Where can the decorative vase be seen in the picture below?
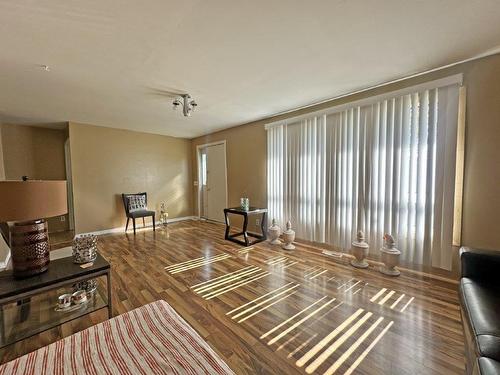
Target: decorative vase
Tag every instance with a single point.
(288, 237)
(84, 248)
(274, 233)
(245, 204)
(360, 251)
(390, 257)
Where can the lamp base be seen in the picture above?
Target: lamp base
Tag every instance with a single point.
(29, 248)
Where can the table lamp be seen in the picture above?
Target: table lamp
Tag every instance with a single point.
(27, 204)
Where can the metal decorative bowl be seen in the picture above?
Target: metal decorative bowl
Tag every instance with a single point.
(85, 248)
(89, 286)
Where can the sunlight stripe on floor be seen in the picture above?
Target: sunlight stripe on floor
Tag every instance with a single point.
(352, 348)
(295, 325)
(397, 301)
(221, 277)
(380, 292)
(326, 340)
(367, 350)
(257, 299)
(387, 296)
(246, 311)
(291, 318)
(230, 279)
(407, 304)
(333, 347)
(266, 307)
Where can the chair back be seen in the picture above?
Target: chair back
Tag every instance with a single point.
(125, 198)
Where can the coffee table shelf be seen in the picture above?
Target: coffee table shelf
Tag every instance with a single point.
(28, 306)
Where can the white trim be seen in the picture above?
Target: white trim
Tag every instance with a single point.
(122, 229)
(456, 79)
(198, 162)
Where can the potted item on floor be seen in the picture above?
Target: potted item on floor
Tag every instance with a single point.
(390, 256)
(360, 251)
(288, 237)
(274, 233)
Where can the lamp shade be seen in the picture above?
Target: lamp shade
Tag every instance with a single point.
(31, 200)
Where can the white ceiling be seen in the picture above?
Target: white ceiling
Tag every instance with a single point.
(241, 60)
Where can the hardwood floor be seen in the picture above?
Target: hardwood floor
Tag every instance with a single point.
(268, 311)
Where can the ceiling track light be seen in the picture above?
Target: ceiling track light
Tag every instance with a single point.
(188, 104)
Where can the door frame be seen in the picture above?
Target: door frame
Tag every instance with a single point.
(198, 165)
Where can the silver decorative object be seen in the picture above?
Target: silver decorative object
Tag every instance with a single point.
(89, 286)
(245, 204)
(390, 257)
(360, 251)
(84, 248)
(288, 237)
(274, 233)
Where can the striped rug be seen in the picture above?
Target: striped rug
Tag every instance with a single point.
(152, 339)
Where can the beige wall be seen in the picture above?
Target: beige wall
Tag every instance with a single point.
(246, 150)
(108, 162)
(2, 169)
(35, 152)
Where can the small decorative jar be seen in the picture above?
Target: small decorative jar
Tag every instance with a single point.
(274, 233)
(84, 248)
(244, 204)
(360, 251)
(390, 257)
(288, 237)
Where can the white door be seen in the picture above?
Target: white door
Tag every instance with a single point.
(215, 193)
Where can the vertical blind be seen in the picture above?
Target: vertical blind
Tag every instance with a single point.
(383, 167)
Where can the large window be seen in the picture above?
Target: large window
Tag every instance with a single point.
(382, 165)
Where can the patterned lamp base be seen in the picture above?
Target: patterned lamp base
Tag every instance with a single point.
(29, 248)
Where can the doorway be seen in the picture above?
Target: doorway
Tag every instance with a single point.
(212, 181)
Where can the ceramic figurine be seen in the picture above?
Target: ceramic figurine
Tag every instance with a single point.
(288, 237)
(360, 251)
(390, 257)
(274, 233)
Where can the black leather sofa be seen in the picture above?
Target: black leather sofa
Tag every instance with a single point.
(480, 307)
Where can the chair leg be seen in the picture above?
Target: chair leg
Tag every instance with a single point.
(133, 222)
(126, 226)
(143, 222)
(154, 225)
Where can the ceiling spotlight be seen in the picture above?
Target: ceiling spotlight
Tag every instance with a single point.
(188, 105)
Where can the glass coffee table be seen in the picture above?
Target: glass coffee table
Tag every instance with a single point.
(29, 306)
(245, 233)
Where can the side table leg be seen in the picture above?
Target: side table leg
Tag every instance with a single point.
(110, 305)
(2, 334)
(226, 220)
(263, 225)
(245, 225)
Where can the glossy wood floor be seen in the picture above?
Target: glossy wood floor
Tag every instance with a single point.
(268, 311)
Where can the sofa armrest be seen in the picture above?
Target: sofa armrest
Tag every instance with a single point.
(480, 264)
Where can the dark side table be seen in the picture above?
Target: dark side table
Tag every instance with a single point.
(28, 306)
(245, 233)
